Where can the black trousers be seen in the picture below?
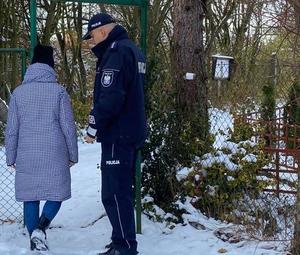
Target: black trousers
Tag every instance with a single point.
(117, 167)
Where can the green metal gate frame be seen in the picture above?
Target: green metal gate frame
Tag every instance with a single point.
(143, 5)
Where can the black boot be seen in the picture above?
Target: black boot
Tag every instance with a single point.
(111, 251)
(115, 251)
(38, 238)
(43, 223)
(108, 246)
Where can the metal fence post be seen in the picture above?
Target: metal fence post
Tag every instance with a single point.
(138, 184)
(33, 32)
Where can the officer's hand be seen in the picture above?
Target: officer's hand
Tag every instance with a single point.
(89, 139)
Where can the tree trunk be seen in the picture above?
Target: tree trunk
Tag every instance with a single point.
(50, 23)
(188, 57)
(15, 77)
(3, 111)
(82, 81)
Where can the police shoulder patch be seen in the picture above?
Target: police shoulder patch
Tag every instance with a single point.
(107, 78)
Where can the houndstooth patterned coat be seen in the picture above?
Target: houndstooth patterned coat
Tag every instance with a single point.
(40, 137)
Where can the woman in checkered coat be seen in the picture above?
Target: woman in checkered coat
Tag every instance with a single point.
(41, 144)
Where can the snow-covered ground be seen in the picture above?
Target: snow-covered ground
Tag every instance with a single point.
(81, 227)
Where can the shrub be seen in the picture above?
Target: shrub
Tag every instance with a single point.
(81, 111)
(220, 178)
(292, 116)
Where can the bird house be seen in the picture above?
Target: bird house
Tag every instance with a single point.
(221, 67)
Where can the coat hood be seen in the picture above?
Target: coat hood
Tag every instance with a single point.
(39, 72)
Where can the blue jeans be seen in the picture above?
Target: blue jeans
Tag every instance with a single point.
(32, 211)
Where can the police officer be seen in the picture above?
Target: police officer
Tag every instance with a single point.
(118, 121)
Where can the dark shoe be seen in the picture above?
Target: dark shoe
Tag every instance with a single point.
(108, 246)
(38, 241)
(111, 251)
(114, 251)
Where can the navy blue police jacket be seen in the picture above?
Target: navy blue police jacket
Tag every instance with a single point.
(118, 113)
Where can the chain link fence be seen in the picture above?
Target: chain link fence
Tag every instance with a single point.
(10, 210)
(10, 76)
(250, 177)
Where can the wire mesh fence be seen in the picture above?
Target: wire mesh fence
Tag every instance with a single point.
(10, 76)
(250, 177)
(10, 210)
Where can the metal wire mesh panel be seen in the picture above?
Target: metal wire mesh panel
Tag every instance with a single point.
(10, 77)
(250, 176)
(10, 210)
